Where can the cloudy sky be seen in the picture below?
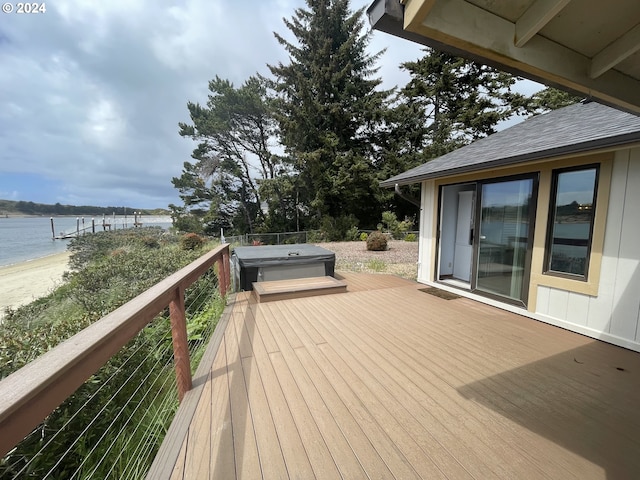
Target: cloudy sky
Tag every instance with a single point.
(91, 92)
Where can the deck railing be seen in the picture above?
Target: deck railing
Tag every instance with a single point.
(30, 394)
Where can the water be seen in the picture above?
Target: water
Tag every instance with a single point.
(23, 239)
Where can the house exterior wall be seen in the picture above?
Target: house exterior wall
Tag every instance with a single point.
(614, 313)
(607, 306)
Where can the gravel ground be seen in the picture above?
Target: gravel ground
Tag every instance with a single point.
(401, 258)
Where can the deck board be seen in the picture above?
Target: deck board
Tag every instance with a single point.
(386, 381)
(297, 288)
(221, 455)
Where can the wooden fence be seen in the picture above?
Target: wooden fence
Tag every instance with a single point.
(33, 392)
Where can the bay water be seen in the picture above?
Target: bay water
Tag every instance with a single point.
(28, 238)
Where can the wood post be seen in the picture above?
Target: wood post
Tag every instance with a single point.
(53, 231)
(227, 269)
(224, 273)
(180, 344)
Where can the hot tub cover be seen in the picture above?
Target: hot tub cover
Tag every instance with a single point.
(268, 255)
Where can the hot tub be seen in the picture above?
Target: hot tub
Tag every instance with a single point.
(280, 262)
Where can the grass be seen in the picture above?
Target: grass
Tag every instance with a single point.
(377, 265)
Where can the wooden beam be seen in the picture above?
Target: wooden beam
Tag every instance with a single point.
(616, 52)
(535, 18)
(416, 10)
(460, 26)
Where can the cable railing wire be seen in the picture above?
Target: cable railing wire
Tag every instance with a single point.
(71, 418)
(104, 407)
(153, 400)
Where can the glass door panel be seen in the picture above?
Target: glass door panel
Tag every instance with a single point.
(503, 238)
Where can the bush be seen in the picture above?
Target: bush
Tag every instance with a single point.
(191, 241)
(364, 236)
(87, 248)
(352, 234)
(377, 242)
(410, 237)
(337, 229)
(392, 225)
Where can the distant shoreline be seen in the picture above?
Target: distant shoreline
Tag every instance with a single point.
(24, 215)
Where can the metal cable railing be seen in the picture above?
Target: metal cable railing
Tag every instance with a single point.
(122, 430)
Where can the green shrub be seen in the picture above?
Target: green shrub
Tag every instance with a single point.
(377, 242)
(352, 234)
(410, 237)
(87, 248)
(150, 242)
(364, 236)
(191, 241)
(337, 229)
(392, 225)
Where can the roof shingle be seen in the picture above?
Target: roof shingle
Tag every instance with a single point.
(573, 129)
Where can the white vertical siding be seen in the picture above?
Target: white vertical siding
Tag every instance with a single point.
(614, 315)
(578, 308)
(626, 293)
(428, 210)
(542, 306)
(558, 303)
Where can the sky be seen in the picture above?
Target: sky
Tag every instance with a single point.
(92, 91)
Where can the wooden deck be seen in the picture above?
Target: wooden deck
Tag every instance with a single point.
(387, 381)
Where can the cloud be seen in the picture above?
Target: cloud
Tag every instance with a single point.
(91, 93)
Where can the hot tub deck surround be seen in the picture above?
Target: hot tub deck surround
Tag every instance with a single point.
(297, 288)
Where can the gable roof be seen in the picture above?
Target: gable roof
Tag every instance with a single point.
(574, 129)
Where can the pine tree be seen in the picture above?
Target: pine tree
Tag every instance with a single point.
(460, 100)
(329, 110)
(548, 99)
(233, 130)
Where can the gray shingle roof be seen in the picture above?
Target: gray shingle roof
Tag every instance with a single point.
(573, 129)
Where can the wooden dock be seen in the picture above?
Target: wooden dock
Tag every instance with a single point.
(387, 381)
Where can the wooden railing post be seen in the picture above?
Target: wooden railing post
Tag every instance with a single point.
(224, 272)
(227, 268)
(180, 345)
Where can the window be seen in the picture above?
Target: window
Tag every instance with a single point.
(572, 209)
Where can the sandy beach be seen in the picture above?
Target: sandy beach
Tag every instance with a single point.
(23, 282)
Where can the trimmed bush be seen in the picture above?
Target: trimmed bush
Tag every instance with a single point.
(377, 242)
(191, 241)
(364, 236)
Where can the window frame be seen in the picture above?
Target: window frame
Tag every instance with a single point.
(555, 174)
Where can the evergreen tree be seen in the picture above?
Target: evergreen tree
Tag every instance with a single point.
(548, 99)
(233, 130)
(329, 111)
(447, 103)
(459, 100)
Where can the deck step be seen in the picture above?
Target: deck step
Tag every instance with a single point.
(297, 288)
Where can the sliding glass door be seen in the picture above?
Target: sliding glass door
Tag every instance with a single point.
(505, 219)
